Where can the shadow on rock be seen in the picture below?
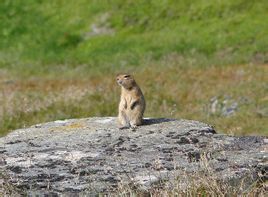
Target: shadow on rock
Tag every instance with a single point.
(152, 121)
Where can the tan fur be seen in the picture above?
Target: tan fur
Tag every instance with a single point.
(132, 102)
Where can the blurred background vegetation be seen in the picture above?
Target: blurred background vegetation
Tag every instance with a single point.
(203, 59)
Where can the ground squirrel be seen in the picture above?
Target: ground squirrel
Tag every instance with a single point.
(132, 102)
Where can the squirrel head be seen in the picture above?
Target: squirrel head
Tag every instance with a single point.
(125, 80)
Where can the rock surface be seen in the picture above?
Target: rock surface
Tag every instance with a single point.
(91, 155)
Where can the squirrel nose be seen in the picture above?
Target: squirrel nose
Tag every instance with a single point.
(119, 81)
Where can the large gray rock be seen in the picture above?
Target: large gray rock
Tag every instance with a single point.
(91, 155)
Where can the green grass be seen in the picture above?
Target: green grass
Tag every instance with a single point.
(56, 32)
(53, 65)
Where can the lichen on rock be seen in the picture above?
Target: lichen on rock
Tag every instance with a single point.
(93, 156)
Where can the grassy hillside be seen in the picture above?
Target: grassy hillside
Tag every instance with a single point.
(58, 59)
(57, 32)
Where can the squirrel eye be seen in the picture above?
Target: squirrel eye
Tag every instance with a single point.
(126, 76)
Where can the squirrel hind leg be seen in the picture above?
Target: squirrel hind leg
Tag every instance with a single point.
(122, 120)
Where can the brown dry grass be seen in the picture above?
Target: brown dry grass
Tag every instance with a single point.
(186, 93)
(171, 90)
(34, 95)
